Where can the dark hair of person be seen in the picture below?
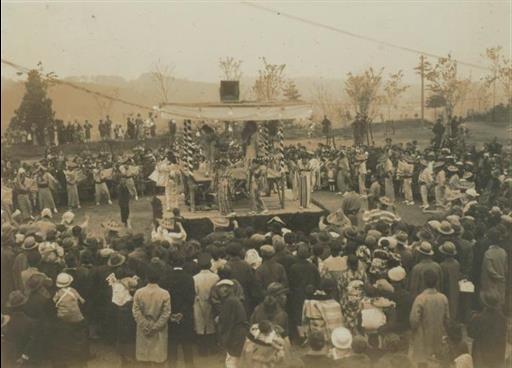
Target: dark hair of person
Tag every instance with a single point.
(225, 272)
(430, 278)
(152, 275)
(316, 341)
(352, 262)
(33, 259)
(265, 327)
(71, 260)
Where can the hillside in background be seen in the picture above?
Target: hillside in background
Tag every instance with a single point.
(71, 104)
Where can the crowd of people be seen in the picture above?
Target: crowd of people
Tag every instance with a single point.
(60, 132)
(366, 287)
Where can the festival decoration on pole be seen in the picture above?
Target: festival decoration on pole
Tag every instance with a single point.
(187, 144)
(280, 147)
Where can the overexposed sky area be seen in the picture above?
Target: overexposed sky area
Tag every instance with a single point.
(127, 38)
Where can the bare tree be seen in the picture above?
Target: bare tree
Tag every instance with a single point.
(393, 89)
(482, 96)
(363, 90)
(230, 68)
(500, 72)
(271, 81)
(443, 81)
(325, 101)
(163, 76)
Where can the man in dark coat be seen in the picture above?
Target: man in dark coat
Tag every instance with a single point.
(303, 274)
(244, 274)
(270, 271)
(180, 285)
(124, 197)
(7, 259)
(451, 276)
(417, 279)
(438, 130)
(233, 327)
(19, 332)
(40, 308)
(489, 332)
(284, 256)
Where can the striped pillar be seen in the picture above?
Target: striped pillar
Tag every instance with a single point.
(280, 147)
(188, 145)
(263, 142)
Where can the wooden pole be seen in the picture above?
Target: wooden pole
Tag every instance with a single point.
(422, 70)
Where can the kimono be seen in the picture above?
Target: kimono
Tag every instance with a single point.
(361, 177)
(72, 188)
(293, 177)
(223, 185)
(407, 171)
(100, 186)
(323, 314)
(440, 188)
(22, 188)
(172, 186)
(263, 350)
(45, 196)
(343, 175)
(425, 180)
(389, 188)
(350, 285)
(304, 185)
(151, 310)
(128, 173)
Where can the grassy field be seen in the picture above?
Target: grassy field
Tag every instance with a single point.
(479, 133)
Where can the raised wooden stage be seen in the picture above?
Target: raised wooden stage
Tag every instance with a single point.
(197, 223)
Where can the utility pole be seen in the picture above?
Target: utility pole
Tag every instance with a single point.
(494, 96)
(422, 73)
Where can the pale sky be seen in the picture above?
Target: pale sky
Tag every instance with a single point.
(126, 38)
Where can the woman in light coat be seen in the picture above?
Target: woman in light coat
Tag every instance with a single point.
(151, 311)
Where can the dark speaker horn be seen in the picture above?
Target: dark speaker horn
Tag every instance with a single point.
(229, 91)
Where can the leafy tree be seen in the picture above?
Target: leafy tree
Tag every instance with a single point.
(393, 89)
(35, 113)
(435, 102)
(230, 68)
(500, 71)
(270, 82)
(363, 90)
(443, 81)
(291, 92)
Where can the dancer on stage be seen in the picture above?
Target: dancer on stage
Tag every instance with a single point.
(128, 171)
(44, 181)
(100, 185)
(172, 183)
(223, 188)
(256, 185)
(71, 173)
